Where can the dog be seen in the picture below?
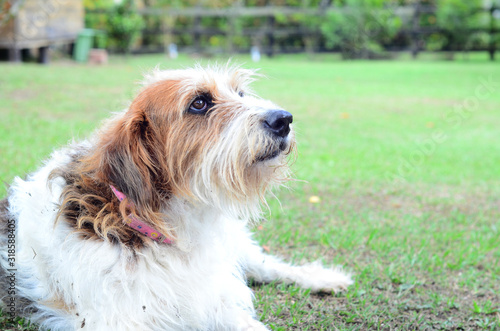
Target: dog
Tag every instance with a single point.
(145, 225)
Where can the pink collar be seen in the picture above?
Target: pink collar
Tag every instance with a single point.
(139, 225)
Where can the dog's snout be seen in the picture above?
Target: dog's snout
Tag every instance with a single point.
(278, 122)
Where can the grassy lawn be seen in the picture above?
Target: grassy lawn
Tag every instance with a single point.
(401, 159)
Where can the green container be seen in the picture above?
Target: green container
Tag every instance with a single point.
(84, 43)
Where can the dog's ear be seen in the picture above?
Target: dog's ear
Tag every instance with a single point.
(128, 152)
(127, 162)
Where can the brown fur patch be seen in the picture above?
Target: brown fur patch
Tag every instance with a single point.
(92, 209)
(57, 303)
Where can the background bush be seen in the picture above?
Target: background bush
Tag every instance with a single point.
(360, 28)
(356, 28)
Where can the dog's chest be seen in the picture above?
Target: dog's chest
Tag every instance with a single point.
(192, 286)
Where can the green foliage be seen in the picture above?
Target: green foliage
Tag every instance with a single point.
(357, 28)
(95, 13)
(188, 3)
(360, 28)
(124, 25)
(120, 22)
(478, 40)
(435, 42)
(97, 4)
(457, 18)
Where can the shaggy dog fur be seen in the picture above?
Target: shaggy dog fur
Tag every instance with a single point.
(194, 154)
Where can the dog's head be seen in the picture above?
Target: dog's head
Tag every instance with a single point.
(198, 133)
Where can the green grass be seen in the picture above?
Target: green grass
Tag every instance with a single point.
(409, 191)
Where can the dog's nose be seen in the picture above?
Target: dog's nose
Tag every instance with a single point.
(278, 122)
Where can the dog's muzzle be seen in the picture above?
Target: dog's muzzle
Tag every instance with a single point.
(276, 123)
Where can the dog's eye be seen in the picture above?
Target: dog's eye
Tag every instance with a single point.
(241, 94)
(199, 106)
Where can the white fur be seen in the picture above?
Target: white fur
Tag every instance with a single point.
(197, 283)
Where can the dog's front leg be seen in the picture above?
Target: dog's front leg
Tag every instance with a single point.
(246, 322)
(266, 268)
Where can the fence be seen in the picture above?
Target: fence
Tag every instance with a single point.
(202, 29)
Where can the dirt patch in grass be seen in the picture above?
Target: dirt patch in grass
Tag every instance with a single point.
(423, 258)
(23, 94)
(395, 307)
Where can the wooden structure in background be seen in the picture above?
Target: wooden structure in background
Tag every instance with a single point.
(267, 33)
(38, 24)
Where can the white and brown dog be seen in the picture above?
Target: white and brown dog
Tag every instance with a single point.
(145, 225)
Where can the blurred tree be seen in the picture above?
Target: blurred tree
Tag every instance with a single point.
(96, 13)
(124, 25)
(97, 4)
(458, 19)
(360, 27)
(357, 28)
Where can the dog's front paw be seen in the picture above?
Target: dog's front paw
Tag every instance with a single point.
(321, 279)
(248, 323)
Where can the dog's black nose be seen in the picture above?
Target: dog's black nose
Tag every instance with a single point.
(278, 122)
